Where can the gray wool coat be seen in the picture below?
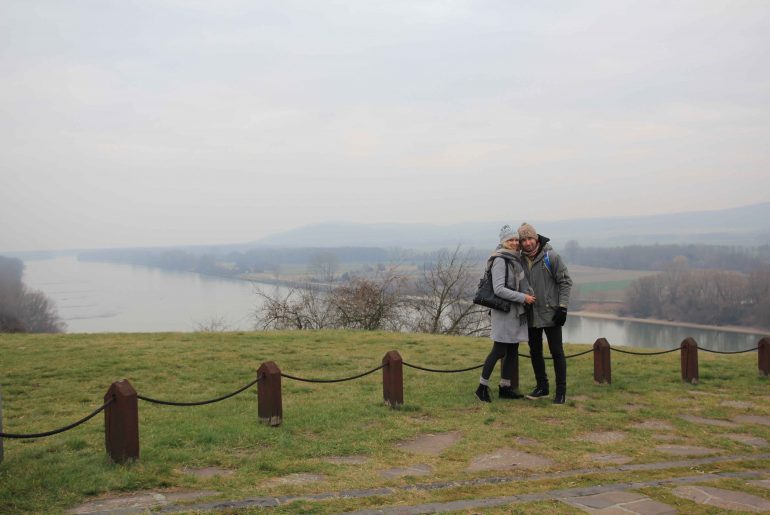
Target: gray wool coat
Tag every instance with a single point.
(509, 327)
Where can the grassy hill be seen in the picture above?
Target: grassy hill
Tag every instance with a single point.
(49, 381)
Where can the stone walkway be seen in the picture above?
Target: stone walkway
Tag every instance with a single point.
(529, 467)
(606, 499)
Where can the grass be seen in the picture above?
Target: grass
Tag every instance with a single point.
(51, 380)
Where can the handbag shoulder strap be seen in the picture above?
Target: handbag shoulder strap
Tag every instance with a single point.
(491, 261)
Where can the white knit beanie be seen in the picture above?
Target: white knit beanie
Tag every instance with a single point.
(506, 233)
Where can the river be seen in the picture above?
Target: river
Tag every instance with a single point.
(105, 297)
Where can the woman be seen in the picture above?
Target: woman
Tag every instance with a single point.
(508, 329)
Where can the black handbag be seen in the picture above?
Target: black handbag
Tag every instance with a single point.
(485, 294)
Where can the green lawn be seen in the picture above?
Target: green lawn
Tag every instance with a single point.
(49, 381)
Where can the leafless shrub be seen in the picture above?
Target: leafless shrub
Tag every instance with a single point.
(370, 304)
(357, 304)
(443, 297)
(307, 307)
(215, 324)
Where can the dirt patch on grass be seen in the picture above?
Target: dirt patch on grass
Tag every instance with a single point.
(207, 472)
(506, 459)
(603, 437)
(430, 444)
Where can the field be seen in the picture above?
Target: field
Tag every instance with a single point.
(340, 436)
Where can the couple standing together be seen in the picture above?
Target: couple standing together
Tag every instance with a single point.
(526, 271)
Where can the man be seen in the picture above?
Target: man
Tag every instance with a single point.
(549, 278)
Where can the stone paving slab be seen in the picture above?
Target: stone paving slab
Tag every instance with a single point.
(763, 483)
(619, 502)
(430, 444)
(412, 470)
(294, 479)
(737, 404)
(752, 419)
(726, 499)
(708, 421)
(505, 459)
(686, 450)
(523, 440)
(138, 502)
(347, 460)
(603, 437)
(613, 459)
(754, 441)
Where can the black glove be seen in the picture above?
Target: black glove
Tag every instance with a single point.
(560, 317)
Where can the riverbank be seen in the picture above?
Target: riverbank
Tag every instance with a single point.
(672, 323)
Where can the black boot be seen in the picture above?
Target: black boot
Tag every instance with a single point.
(507, 392)
(560, 397)
(482, 393)
(539, 391)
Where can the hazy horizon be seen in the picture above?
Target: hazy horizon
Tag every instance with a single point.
(167, 122)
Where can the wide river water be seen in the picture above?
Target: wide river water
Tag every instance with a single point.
(105, 297)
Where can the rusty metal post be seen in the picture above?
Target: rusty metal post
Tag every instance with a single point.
(393, 379)
(121, 422)
(602, 368)
(689, 355)
(763, 351)
(269, 402)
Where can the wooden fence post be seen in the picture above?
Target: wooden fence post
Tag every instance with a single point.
(763, 356)
(269, 403)
(121, 422)
(602, 367)
(689, 356)
(1, 424)
(393, 379)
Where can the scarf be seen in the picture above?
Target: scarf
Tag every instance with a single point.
(532, 255)
(502, 252)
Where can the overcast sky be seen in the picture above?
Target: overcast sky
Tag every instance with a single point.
(160, 122)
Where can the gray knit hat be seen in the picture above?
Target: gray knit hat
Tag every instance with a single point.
(527, 231)
(506, 233)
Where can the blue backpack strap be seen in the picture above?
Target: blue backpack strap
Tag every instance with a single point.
(547, 261)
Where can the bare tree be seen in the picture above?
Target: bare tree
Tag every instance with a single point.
(38, 314)
(23, 310)
(324, 266)
(443, 297)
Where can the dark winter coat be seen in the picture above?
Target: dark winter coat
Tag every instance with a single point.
(552, 287)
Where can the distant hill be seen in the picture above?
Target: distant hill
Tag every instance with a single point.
(742, 226)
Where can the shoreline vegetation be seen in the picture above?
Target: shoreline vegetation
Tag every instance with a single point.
(601, 315)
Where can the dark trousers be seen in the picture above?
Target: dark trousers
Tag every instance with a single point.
(509, 353)
(556, 347)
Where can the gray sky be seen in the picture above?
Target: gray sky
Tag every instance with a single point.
(165, 122)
